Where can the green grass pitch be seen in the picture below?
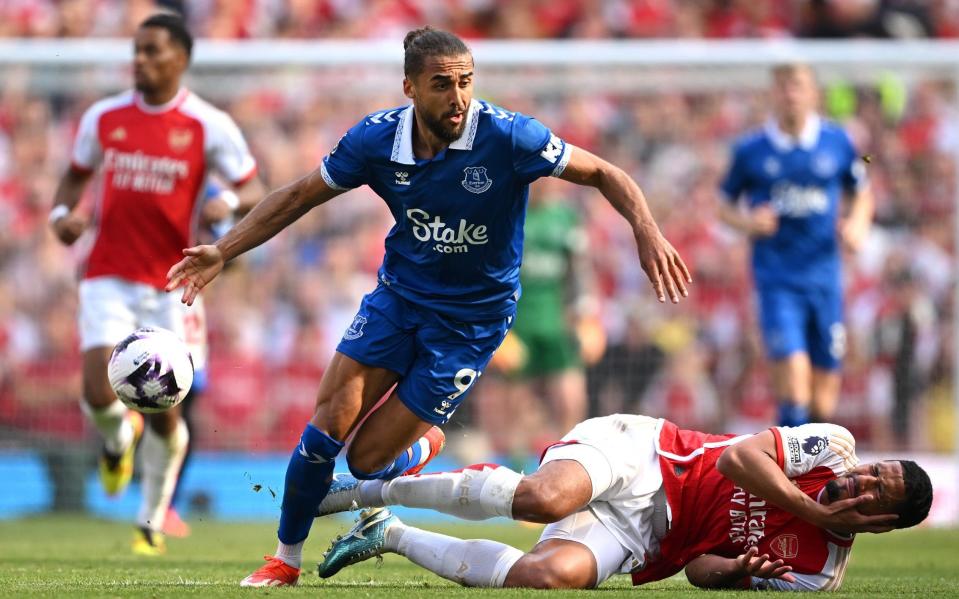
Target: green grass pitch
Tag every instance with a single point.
(80, 557)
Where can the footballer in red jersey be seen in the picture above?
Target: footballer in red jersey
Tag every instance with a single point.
(153, 148)
(627, 494)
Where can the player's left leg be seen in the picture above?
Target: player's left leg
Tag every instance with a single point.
(566, 396)
(827, 347)
(167, 438)
(162, 449)
(577, 552)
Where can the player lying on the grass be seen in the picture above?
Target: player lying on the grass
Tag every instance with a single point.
(632, 494)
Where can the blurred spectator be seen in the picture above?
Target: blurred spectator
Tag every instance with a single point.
(276, 315)
(477, 19)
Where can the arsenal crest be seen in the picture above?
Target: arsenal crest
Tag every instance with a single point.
(475, 179)
(180, 139)
(785, 546)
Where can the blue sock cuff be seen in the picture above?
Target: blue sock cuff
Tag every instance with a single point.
(318, 443)
(379, 474)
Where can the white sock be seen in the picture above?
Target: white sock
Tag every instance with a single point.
(473, 493)
(162, 458)
(472, 563)
(112, 423)
(291, 555)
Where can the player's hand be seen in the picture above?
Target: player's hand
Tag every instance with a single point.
(764, 222)
(662, 264)
(753, 564)
(69, 228)
(853, 233)
(200, 266)
(843, 516)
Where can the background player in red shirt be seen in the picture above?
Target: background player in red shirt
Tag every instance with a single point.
(632, 494)
(154, 147)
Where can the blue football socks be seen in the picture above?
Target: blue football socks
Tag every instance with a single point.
(406, 460)
(792, 414)
(307, 483)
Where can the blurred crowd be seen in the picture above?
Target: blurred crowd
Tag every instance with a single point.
(277, 314)
(477, 19)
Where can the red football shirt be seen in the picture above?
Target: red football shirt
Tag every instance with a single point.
(154, 161)
(710, 514)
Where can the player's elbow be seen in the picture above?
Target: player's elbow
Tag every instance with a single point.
(730, 462)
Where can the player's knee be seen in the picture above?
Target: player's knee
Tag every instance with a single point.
(542, 572)
(537, 501)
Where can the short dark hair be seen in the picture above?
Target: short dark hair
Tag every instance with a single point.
(918, 488)
(175, 26)
(422, 43)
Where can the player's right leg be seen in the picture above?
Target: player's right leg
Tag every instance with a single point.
(119, 427)
(105, 316)
(784, 318)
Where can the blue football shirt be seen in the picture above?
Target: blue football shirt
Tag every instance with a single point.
(458, 239)
(803, 180)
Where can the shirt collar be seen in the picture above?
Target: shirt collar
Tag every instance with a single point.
(178, 99)
(807, 139)
(403, 138)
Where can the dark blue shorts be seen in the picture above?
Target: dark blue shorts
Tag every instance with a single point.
(438, 359)
(808, 321)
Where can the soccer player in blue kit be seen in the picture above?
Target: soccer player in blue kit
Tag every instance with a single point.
(455, 172)
(793, 173)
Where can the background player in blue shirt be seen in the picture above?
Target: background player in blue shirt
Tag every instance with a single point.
(792, 174)
(455, 172)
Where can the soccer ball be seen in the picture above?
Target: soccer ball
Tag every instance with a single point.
(151, 370)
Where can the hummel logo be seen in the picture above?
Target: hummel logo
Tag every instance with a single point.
(312, 458)
(402, 178)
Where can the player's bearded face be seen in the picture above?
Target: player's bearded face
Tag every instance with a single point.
(442, 94)
(882, 481)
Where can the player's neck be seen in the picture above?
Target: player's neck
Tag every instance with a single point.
(426, 145)
(793, 127)
(161, 96)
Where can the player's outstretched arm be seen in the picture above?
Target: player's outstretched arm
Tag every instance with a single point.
(752, 464)
(715, 572)
(278, 210)
(660, 260)
(66, 225)
(855, 227)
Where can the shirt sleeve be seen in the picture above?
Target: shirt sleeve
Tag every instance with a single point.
(537, 152)
(345, 166)
(800, 449)
(829, 578)
(804, 582)
(734, 183)
(854, 168)
(87, 151)
(229, 152)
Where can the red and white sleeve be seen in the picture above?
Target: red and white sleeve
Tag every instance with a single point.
(800, 449)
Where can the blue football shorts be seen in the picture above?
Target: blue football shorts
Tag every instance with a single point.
(807, 320)
(438, 358)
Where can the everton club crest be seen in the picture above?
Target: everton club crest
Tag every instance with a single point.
(475, 179)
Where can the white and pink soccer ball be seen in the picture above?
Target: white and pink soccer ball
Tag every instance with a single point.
(151, 370)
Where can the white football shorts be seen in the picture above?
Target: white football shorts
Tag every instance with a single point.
(110, 308)
(618, 453)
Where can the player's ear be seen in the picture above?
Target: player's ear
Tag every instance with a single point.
(407, 88)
